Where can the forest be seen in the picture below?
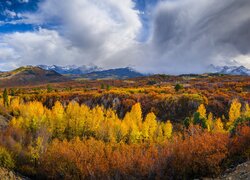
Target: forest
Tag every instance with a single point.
(157, 127)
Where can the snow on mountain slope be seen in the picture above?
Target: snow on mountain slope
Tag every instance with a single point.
(72, 69)
(232, 70)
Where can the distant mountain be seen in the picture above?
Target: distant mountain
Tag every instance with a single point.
(93, 72)
(72, 69)
(231, 70)
(119, 73)
(29, 75)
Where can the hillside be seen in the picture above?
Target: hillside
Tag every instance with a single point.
(119, 73)
(29, 75)
(133, 127)
(71, 69)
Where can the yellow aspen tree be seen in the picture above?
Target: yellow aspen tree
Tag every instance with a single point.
(36, 150)
(106, 129)
(124, 131)
(247, 111)
(159, 137)
(133, 132)
(168, 129)
(58, 120)
(118, 130)
(202, 111)
(97, 117)
(16, 122)
(112, 122)
(149, 127)
(72, 116)
(135, 136)
(15, 104)
(86, 118)
(33, 114)
(218, 126)
(136, 115)
(234, 112)
(210, 122)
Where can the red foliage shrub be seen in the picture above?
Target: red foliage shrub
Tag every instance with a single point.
(239, 147)
(198, 155)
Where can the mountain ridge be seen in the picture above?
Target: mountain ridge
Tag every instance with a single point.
(93, 72)
(117, 73)
(29, 75)
(230, 70)
(72, 69)
(91, 69)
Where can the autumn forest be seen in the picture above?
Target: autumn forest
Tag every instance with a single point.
(156, 127)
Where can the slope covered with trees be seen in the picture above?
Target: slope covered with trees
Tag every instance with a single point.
(147, 132)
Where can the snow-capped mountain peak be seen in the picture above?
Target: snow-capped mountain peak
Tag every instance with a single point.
(233, 70)
(72, 69)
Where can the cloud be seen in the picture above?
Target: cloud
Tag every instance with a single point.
(42, 46)
(185, 36)
(81, 31)
(188, 35)
(23, 1)
(10, 14)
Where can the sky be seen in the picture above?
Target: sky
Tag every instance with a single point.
(153, 36)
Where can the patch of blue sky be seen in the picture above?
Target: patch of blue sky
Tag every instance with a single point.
(145, 7)
(11, 28)
(10, 11)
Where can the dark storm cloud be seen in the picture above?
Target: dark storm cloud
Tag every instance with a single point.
(188, 35)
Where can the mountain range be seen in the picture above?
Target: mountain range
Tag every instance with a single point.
(118, 73)
(230, 70)
(42, 74)
(95, 72)
(72, 69)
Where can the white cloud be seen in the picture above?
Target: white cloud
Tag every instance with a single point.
(23, 1)
(40, 47)
(87, 30)
(9, 13)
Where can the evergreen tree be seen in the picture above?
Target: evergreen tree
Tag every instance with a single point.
(178, 87)
(108, 87)
(187, 121)
(5, 98)
(49, 88)
(102, 86)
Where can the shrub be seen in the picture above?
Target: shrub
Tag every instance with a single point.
(6, 160)
(178, 87)
(200, 154)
